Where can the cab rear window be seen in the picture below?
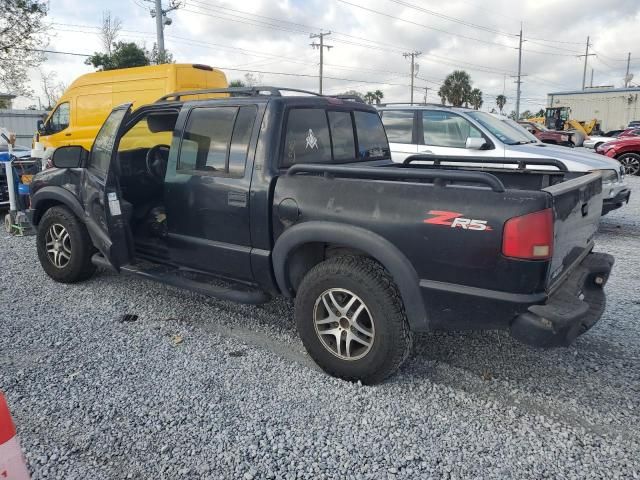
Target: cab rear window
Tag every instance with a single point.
(316, 135)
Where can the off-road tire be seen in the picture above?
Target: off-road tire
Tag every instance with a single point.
(372, 283)
(79, 266)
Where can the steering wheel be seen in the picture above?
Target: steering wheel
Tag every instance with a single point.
(156, 162)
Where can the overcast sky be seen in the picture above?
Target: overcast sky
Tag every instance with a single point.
(478, 36)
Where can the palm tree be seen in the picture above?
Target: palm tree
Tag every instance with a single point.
(501, 101)
(475, 98)
(456, 88)
(376, 96)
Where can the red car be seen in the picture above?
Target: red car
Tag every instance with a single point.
(542, 133)
(630, 132)
(626, 150)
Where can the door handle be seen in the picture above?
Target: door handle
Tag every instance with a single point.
(67, 134)
(426, 151)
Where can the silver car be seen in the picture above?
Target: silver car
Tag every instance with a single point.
(459, 132)
(594, 141)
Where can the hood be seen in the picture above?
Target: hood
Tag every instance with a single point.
(575, 159)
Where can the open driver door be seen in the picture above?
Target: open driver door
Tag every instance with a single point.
(105, 219)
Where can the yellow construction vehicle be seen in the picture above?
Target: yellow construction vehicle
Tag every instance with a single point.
(559, 118)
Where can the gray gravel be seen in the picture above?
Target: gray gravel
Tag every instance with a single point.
(199, 388)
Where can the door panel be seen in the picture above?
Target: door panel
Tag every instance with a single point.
(207, 191)
(105, 223)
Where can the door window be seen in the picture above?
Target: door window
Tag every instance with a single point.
(216, 140)
(103, 145)
(446, 129)
(59, 118)
(399, 125)
(372, 141)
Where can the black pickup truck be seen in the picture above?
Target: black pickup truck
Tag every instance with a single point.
(260, 194)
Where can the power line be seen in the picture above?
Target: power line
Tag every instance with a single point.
(425, 26)
(453, 19)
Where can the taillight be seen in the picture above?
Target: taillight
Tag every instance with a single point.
(529, 237)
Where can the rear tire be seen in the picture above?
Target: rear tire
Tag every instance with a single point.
(64, 246)
(630, 162)
(368, 346)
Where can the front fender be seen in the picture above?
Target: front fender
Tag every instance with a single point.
(377, 247)
(59, 195)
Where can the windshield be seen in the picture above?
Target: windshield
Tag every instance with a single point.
(511, 134)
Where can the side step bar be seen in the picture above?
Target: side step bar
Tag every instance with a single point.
(176, 278)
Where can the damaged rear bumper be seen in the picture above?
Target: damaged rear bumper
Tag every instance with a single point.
(571, 310)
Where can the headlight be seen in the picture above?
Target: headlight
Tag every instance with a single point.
(608, 176)
(564, 138)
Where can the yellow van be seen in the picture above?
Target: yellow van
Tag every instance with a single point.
(87, 102)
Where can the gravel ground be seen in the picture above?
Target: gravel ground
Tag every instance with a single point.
(199, 388)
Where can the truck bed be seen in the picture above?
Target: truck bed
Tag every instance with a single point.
(398, 204)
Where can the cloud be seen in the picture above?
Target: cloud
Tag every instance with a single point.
(367, 46)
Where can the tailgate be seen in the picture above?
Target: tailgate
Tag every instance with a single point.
(577, 206)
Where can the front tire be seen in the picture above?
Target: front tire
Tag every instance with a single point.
(630, 162)
(351, 319)
(64, 246)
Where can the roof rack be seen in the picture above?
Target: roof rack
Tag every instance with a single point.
(251, 92)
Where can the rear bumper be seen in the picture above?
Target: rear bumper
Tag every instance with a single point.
(618, 201)
(571, 310)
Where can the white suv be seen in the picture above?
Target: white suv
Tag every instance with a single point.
(461, 132)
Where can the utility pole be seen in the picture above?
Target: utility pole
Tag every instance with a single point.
(160, 28)
(586, 58)
(426, 92)
(413, 56)
(519, 81)
(626, 77)
(321, 46)
(591, 83)
(160, 14)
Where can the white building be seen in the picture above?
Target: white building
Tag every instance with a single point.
(614, 108)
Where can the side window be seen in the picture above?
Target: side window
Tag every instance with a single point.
(103, 145)
(206, 139)
(445, 129)
(344, 145)
(60, 118)
(216, 140)
(399, 125)
(307, 137)
(372, 141)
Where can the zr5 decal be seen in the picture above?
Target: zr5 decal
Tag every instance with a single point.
(456, 220)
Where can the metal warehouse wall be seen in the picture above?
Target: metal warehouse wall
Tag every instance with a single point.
(22, 122)
(613, 109)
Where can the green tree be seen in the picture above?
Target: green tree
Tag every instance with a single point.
(354, 93)
(526, 114)
(475, 98)
(512, 115)
(236, 83)
(501, 101)
(22, 34)
(374, 97)
(124, 55)
(456, 88)
(156, 59)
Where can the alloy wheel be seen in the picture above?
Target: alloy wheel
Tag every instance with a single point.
(58, 245)
(343, 324)
(631, 164)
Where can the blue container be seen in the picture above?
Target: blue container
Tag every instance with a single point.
(23, 189)
(4, 156)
